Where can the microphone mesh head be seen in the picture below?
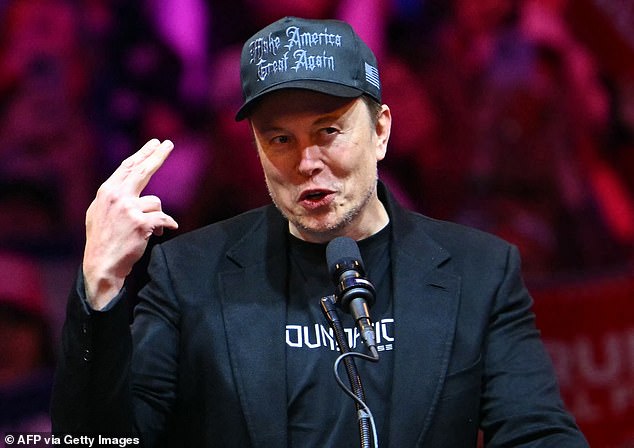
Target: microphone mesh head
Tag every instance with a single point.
(342, 251)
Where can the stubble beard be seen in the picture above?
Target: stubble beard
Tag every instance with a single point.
(332, 229)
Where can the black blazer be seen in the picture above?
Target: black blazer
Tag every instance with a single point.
(203, 364)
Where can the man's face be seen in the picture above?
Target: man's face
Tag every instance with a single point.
(319, 154)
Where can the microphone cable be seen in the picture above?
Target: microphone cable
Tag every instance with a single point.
(367, 426)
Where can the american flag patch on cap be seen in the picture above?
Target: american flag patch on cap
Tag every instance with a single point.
(372, 75)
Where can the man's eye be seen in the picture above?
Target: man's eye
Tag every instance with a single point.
(280, 139)
(329, 131)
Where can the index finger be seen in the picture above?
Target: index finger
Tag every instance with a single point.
(135, 172)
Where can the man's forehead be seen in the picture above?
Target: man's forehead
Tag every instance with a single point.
(289, 103)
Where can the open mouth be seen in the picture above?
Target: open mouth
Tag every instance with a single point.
(313, 195)
(312, 199)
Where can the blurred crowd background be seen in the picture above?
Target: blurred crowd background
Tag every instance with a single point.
(513, 116)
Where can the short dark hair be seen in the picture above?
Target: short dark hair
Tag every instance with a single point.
(374, 108)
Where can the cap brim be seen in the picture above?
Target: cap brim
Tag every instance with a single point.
(327, 87)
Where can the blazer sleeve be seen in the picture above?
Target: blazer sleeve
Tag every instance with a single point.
(91, 386)
(521, 404)
(105, 386)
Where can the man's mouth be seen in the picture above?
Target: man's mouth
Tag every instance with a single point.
(313, 195)
(316, 198)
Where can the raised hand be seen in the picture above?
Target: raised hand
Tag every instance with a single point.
(120, 221)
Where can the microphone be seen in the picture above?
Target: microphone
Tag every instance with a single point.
(354, 293)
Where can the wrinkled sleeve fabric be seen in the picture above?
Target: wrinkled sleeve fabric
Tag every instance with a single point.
(521, 404)
(90, 392)
(104, 386)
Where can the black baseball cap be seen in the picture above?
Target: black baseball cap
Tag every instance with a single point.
(320, 55)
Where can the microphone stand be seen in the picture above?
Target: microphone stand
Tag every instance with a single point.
(330, 312)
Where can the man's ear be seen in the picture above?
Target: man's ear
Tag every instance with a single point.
(383, 127)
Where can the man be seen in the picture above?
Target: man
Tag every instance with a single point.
(205, 363)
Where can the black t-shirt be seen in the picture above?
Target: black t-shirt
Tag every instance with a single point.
(319, 412)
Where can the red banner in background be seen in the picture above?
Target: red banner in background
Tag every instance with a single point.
(588, 328)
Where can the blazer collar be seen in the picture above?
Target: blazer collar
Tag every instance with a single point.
(426, 298)
(254, 312)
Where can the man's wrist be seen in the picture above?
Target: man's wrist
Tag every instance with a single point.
(99, 292)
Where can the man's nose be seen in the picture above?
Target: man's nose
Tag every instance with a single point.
(310, 162)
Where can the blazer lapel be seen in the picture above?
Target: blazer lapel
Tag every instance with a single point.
(254, 311)
(426, 301)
